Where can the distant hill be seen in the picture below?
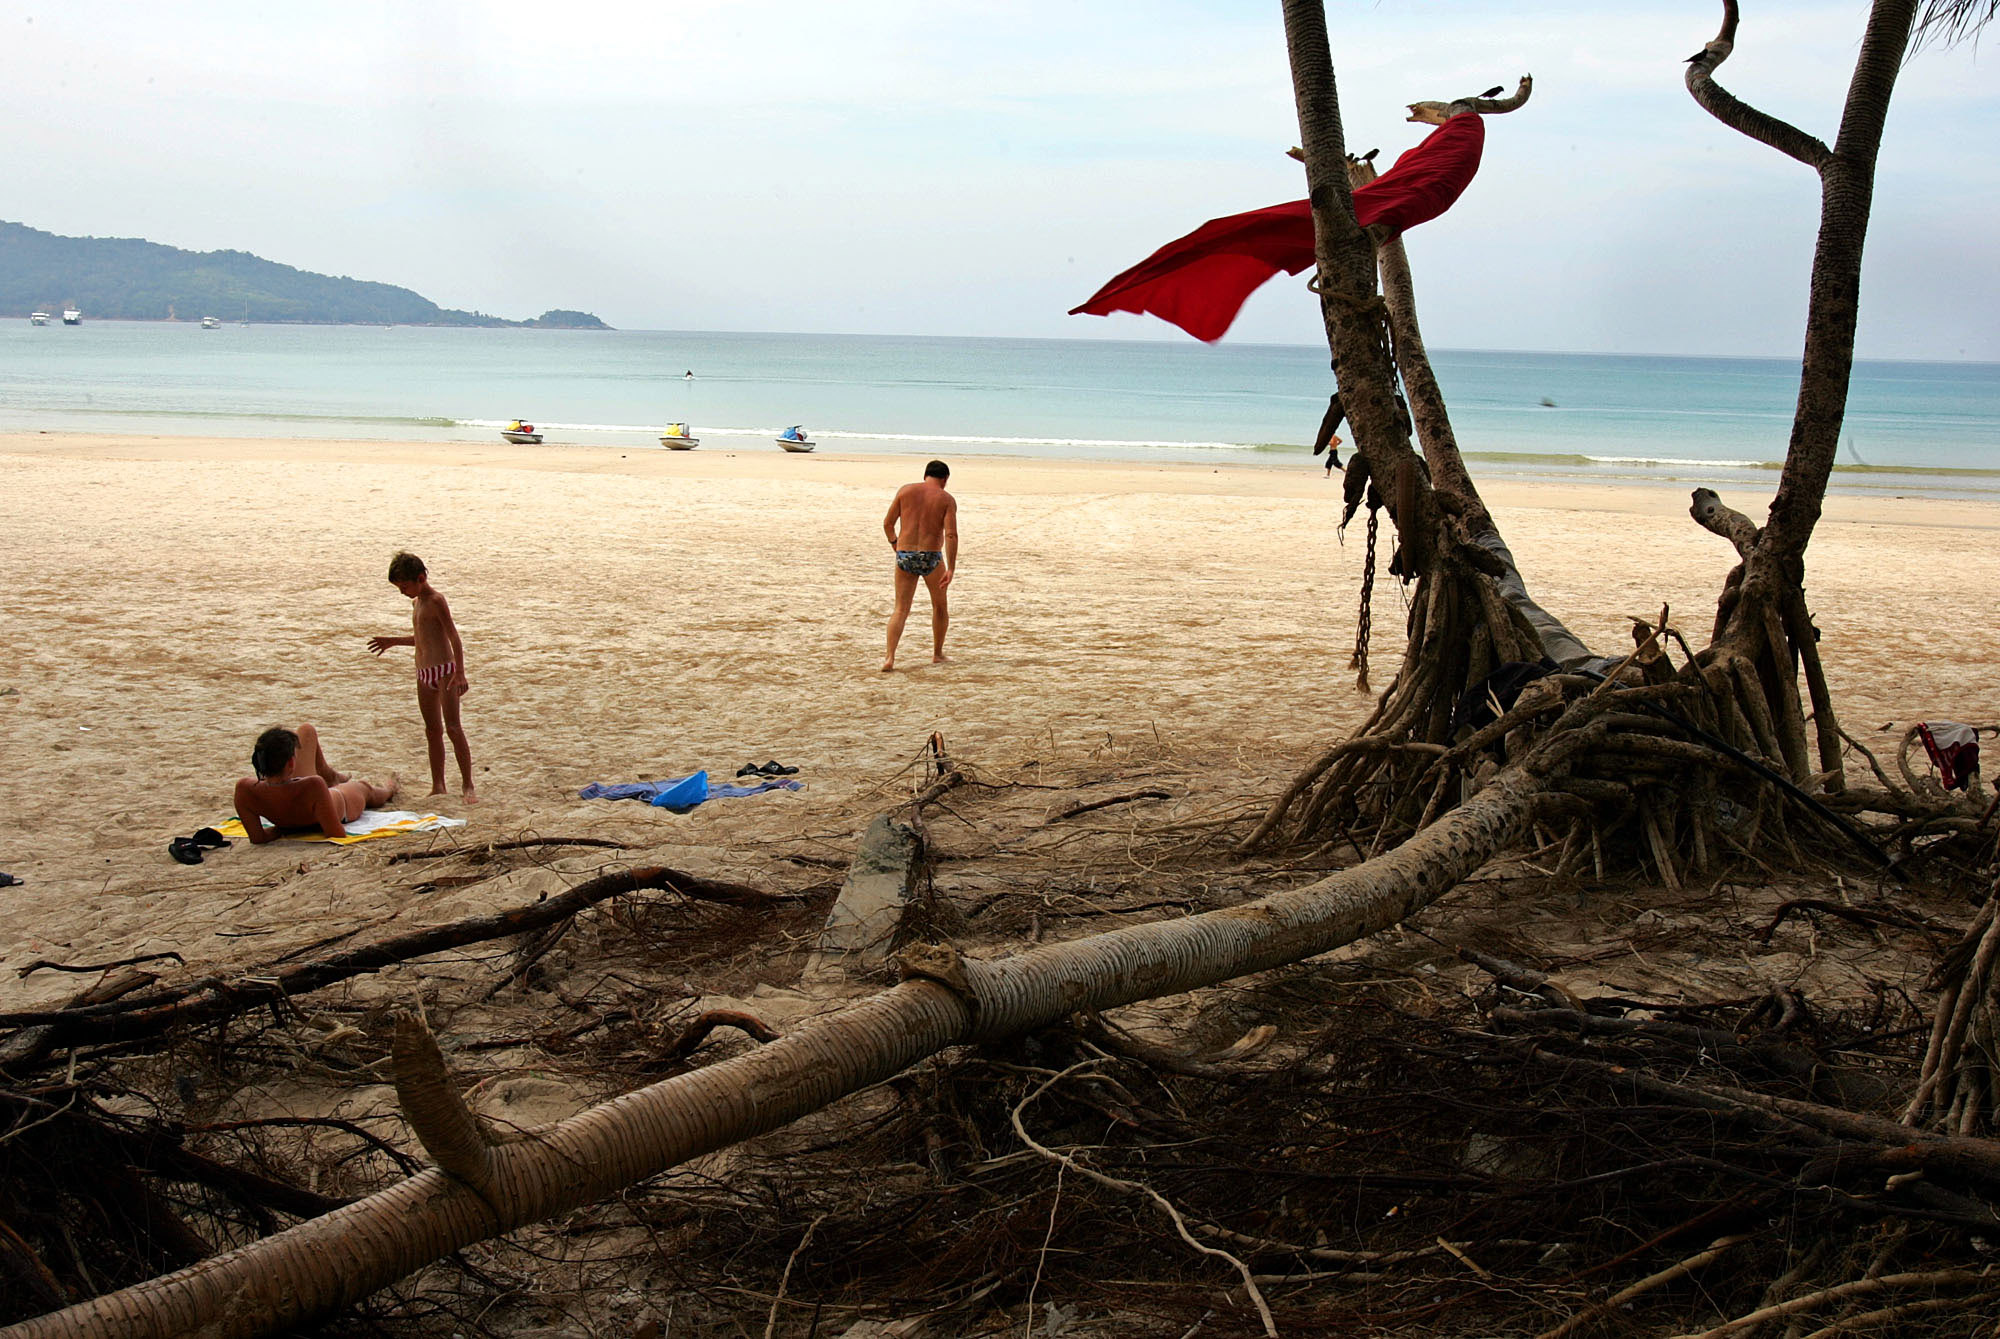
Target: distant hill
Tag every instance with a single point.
(126, 278)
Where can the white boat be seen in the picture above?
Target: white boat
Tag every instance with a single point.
(71, 316)
(210, 323)
(38, 318)
(676, 437)
(521, 434)
(794, 439)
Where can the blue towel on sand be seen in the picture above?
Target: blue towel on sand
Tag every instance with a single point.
(679, 793)
(684, 794)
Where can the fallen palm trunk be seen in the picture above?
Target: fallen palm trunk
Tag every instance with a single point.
(312, 1270)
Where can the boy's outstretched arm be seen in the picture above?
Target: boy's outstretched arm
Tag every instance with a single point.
(380, 644)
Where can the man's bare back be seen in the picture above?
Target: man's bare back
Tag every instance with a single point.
(921, 512)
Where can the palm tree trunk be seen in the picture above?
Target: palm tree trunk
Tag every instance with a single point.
(1356, 320)
(1847, 195)
(1434, 431)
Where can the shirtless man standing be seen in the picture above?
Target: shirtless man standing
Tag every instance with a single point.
(295, 787)
(922, 526)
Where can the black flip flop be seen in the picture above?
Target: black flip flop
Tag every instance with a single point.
(209, 837)
(184, 850)
(749, 769)
(777, 769)
(8, 880)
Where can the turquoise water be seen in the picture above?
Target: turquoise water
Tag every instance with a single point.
(1928, 428)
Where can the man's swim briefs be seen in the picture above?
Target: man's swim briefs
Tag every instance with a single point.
(918, 562)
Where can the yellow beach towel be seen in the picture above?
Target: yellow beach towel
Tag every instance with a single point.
(373, 823)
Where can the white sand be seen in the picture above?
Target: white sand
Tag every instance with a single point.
(647, 613)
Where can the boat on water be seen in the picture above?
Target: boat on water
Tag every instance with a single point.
(38, 318)
(210, 323)
(794, 439)
(71, 316)
(521, 434)
(676, 437)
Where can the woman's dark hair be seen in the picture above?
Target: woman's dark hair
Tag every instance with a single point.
(275, 748)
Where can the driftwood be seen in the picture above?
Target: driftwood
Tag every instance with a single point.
(487, 848)
(23, 1049)
(205, 1001)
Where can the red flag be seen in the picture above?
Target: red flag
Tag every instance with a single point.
(1202, 280)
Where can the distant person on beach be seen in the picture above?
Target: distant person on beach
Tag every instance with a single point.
(441, 680)
(295, 787)
(922, 526)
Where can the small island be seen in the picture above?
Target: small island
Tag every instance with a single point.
(560, 319)
(130, 279)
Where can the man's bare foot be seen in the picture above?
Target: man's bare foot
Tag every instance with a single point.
(469, 795)
(889, 665)
(395, 781)
(940, 659)
(438, 790)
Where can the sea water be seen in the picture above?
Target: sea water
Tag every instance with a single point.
(1913, 428)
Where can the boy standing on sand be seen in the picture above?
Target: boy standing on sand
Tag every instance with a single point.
(922, 526)
(441, 680)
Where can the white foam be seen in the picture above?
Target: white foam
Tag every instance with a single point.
(1676, 462)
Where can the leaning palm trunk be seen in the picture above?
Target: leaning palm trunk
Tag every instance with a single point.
(312, 1270)
(1433, 424)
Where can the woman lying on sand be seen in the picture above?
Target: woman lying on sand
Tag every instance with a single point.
(295, 787)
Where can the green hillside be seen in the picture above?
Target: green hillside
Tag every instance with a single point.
(113, 278)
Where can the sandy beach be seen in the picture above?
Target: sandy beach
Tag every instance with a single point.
(642, 614)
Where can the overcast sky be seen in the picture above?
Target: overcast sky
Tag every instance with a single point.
(949, 168)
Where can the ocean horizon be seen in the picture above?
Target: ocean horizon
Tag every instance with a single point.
(1913, 427)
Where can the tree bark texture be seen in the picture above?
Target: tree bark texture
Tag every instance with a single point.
(1427, 407)
(314, 1269)
(1847, 194)
(1354, 315)
(1763, 616)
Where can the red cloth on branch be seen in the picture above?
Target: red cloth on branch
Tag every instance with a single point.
(1202, 280)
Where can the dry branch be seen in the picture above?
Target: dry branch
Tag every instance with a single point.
(205, 1001)
(487, 848)
(1091, 805)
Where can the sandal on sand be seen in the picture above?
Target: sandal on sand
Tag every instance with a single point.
(749, 769)
(8, 880)
(184, 850)
(209, 837)
(777, 769)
